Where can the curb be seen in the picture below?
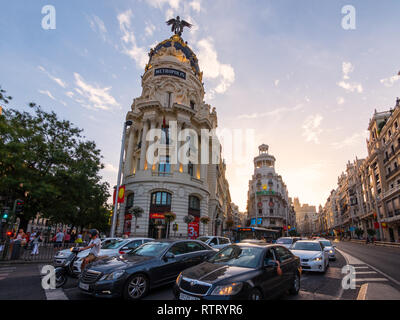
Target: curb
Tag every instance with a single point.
(362, 294)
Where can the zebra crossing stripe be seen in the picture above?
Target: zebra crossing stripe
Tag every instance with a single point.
(370, 279)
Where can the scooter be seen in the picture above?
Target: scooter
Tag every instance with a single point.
(66, 269)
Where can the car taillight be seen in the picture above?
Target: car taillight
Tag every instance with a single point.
(121, 252)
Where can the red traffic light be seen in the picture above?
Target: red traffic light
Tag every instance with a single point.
(9, 233)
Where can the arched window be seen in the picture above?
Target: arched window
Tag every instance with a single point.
(161, 199)
(194, 206)
(129, 202)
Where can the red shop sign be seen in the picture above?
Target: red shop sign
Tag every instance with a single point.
(157, 216)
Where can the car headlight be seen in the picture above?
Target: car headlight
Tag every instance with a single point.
(227, 290)
(113, 275)
(330, 251)
(178, 280)
(318, 258)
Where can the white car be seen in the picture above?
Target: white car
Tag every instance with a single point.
(312, 255)
(329, 247)
(62, 255)
(215, 242)
(287, 242)
(114, 248)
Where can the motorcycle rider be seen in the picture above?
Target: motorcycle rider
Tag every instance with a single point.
(94, 246)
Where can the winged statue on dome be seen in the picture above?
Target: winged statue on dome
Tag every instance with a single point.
(178, 25)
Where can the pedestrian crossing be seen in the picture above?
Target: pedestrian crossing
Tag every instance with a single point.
(5, 272)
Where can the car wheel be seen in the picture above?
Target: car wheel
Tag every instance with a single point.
(255, 294)
(136, 287)
(61, 279)
(295, 286)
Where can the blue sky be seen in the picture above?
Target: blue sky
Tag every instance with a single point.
(286, 69)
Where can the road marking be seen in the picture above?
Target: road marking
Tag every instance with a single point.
(57, 294)
(361, 267)
(377, 270)
(5, 271)
(371, 279)
(365, 272)
(363, 292)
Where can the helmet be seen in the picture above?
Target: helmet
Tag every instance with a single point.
(94, 232)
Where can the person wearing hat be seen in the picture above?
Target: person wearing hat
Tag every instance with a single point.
(94, 246)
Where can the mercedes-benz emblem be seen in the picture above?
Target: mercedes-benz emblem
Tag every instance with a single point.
(192, 283)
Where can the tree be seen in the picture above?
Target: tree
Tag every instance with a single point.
(136, 212)
(204, 220)
(3, 97)
(48, 164)
(359, 232)
(169, 217)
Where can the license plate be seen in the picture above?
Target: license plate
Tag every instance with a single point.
(304, 264)
(183, 296)
(84, 286)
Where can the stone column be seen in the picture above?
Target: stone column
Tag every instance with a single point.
(129, 154)
(178, 145)
(143, 146)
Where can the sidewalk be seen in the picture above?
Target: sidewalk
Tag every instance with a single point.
(378, 291)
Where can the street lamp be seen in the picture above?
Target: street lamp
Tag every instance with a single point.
(121, 159)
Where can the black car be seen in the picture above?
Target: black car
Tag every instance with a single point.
(151, 265)
(241, 271)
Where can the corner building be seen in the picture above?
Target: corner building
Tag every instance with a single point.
(172, 93)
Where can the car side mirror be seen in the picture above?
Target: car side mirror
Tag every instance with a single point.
(212, 244)
(168, 256)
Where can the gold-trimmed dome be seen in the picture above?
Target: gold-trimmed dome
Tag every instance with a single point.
(177, 42)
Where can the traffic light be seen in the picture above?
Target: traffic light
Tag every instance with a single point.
(10, 234)
(5, 215)
(19, 206)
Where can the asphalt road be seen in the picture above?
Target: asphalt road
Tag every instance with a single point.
(385, 260)
(23, 282)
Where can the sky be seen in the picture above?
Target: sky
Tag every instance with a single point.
(285, 69)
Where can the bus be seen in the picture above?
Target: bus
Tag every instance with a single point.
(255, 233)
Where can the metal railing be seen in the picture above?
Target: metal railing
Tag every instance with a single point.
(16, 252)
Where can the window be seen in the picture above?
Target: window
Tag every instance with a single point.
(134, 244)
(129, 200)
(282, 254)
(224, 241)
(164, 166)
(194, 247)
(194, 203)
(161, 198)
(214, 241)
(165, 135)
(179, 248)
(190, 169)
(269, 256)
(192, 104)
(169, 101)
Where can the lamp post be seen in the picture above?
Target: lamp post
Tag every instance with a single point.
(121, 159)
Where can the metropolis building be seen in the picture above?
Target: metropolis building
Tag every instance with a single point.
(172, 98)
(268, 203)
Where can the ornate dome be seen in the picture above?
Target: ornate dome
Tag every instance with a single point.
(187, 54)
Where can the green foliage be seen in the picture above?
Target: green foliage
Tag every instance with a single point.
(371, 232)
(3, 97)
(229, 224)
(47, 163)
(188, 219)
(359, 232)
(205, 220)
(136, 211)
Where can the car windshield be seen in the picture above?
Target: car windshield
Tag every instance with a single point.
(151, 249)
(246, 257)
(114, 244)
(326, 243)
(204, 239)
(284, 241)
(307, 246)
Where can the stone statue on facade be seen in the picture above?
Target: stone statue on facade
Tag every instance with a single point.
(178, 25)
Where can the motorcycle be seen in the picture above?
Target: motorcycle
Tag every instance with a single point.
(66, 269)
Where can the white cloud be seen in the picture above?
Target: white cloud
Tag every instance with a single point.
(97, 25)
(110, 168)
(195, 5)
(274, 113)
(213, 68)
(389, 82)
(312, 128)
(150, 28)
(47, 93)
(130, 47)
(340, 100)
(276, 83)
(97, 98)
(350, 87)
(348, 68)
(353, 140)
(57, 80)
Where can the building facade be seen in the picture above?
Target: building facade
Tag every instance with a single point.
(268, 203)
(368, 193)
(305, 217)
(172, 113)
